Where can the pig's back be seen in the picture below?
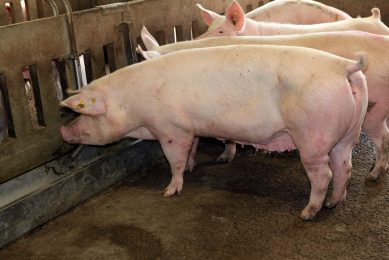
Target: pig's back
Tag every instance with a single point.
(370, 24)
(250, 62)
(223, 86)
(297, 12)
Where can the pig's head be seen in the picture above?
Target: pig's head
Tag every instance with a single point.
(92, 126)
(229, 25)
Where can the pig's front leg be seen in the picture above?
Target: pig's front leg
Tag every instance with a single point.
(229, 152)
(319, 174)
(176, 147)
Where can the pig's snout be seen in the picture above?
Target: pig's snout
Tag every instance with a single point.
(66, 134)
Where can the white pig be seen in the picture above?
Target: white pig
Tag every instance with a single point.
(344, 44)
(234, 23)
(285, 11)
(273, 97)
(296, 12)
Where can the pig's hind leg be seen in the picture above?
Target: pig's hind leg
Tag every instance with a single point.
(192, 155)
(340, 165)
(176, 146)
(378, 131)
(319, 174)
(229, 152)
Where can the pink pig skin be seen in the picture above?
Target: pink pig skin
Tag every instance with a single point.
(311, 100)
(344, 44)
(297, 12)
(234, 23)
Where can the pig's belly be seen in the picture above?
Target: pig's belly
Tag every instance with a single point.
(262, 132)
(279, 142)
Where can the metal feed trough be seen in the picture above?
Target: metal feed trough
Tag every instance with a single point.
(40, 59)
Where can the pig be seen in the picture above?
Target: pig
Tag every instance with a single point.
(234, 23)
(285, 11)
(375, 46)
(296, 12)
(273, 97)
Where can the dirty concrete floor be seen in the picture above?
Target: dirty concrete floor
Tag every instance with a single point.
(248, 209)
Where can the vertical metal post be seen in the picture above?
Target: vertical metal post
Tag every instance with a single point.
(74, 55)
(73, 43)
(53, 6)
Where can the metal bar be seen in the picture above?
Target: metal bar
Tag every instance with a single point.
(53, 6)
(73, 42)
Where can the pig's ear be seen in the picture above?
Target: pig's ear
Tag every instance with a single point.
(208, 16)
(149, 41)
(147, 55)
(86, 102)
(235, 15)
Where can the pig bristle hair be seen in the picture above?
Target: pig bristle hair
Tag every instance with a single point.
(376, 13)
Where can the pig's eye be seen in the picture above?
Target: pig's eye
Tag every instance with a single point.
(221, 32)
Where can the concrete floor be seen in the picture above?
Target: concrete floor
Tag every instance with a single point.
(248, 209)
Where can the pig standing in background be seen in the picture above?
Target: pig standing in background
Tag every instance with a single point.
(296, 12)
(234, 23)
(344, 44)
(272, 97)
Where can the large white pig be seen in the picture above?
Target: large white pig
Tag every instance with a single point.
(273, 97)
(344, 44)
(295, 11)
(284, 11)
(234, 23)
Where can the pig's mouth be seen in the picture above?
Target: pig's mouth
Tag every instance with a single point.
(70, 133)
(67, 135)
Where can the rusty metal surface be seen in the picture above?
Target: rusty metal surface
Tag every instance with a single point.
(23, 45)
(95, 29)
(17, 9)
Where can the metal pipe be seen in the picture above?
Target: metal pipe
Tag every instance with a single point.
(74, 56)
(53, 6)
(73, 43)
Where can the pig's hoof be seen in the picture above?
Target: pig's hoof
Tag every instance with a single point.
(190, 165)
(331, 204)
(373, 176)
(224, 158)
(334, 200)
(172, 189)
(308, 213)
